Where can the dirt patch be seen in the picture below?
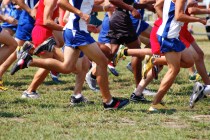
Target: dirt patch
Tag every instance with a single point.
(127, 121)
(172, 123)
(21, 120)
(205, 118)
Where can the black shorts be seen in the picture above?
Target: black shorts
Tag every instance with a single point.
(121, 28)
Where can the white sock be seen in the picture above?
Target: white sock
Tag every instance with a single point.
(109, 103)
(206, 90)
(79, 95)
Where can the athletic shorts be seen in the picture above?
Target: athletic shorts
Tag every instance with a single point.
(74, 39)
(40, 34)
(186, 37)
(24, 31)
(0, 29)
(143, 26)
(9, 26)
(170, 44)
(155, 45)
(102, 37)
(121, 28)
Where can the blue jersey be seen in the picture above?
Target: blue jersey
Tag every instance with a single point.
(170, 27)
(25, 17)
(75, 22)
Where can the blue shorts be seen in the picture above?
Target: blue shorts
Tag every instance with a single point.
(143, 26)
(0, 29)
(102, 37)
(24, 31)
(9, 26)
(139, 25)
(74, 39)
(170, 45)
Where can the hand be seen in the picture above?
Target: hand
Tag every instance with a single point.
(33, 13)
(85, 17)
(109, 8)
(150, 7)
(93, 28)
(135, 13)
(11, 20)
(204, 21)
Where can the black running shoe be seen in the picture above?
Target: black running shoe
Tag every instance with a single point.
(21, 63)
(27, 46)
(47, 45)
(116, 104)
(75, 101)
(135, 98)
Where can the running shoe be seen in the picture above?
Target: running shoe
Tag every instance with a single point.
(194, 77)
(197, 94)
(129, 67)
(32, 95)
(116, 104)
(27, 46)
(157, 108)
(55, 76)
(47, 45)
(2, 87)
(147, 66)
(21, 63)
(82, 99)
(136, 98)
(92, 83)
(112, 69)
(119, 55)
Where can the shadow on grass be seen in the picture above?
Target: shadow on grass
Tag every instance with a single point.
(55, 83)
(19, 101)
(9, 115)
(167, 112)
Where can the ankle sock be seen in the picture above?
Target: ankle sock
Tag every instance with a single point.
(110, 102)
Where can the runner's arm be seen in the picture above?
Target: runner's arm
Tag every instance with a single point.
(47, 17)
(159, 7)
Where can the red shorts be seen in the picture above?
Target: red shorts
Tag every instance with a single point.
(186, 37)
(40, 34)
(155, 46)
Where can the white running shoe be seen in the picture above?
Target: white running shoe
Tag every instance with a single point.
(32, 95)
(197, 94)
(92, 83)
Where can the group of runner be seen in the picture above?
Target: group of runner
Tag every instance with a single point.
(58, 31)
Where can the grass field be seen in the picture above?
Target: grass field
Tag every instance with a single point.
(51, 117)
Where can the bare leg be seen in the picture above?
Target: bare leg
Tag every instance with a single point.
(168, 79)
(9, 45)
(136, 62)
(199, 63)
(80, 77)
(94, 53)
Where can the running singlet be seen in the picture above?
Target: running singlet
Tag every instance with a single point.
(40, 13)
(170, 27)
(75, 22)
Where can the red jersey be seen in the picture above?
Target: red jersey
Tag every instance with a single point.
(40, 13)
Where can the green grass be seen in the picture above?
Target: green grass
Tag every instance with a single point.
(51, 117)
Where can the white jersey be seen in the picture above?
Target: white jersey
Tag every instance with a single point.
(75, 22)
(170, 27)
